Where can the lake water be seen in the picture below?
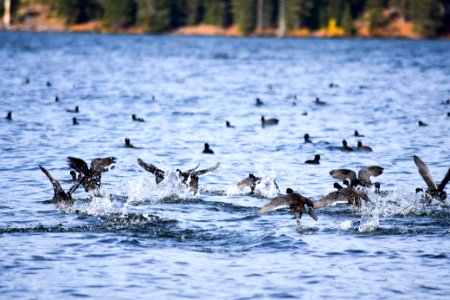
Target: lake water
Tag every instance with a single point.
(139, 240)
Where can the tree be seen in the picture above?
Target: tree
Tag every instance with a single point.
(244, 15)
(427, 16)
(118, 13)
(347, 20)
(154, 15)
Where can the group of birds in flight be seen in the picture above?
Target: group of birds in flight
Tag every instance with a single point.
(354, 192)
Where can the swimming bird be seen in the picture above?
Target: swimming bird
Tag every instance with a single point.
(306, 138)
(128, 144)
(75, 121)
(363, 148)
(420, 123)
(434, 190)
(348, 196)
(363, 178)
(93, 174)
(75, 111)
(56, 99)
(207, 150)
(49, 84)
(448, 114)
(345, 147)
(60, 196)
(333, 85)
(229, 125)
(136, 119)
(315, 161)
(259, 102)
(294, 201)
(357, 134)
(319, 102)
(268, 122)
(378, 191)
(27, 80)
(9, 115)
(189, 178)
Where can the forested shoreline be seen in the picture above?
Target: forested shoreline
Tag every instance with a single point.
(334, 18)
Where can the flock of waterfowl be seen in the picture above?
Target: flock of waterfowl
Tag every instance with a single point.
(354, 193)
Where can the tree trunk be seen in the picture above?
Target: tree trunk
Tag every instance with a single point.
(7, 14)
(282, 19)
(260, 16)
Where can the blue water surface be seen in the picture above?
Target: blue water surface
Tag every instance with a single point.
(137, 240)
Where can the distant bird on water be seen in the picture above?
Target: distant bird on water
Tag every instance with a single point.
(49, 84)
(448, 114)
(319, 102)
(75, 121)
(333, 85)
(315, 161)
(357, 134)
(306, 138)
(229, 125)
(345, 147)
(207, 150)
(420, 123)
(27, 80)
(75, 111)
(136, 119)
(259, 102)
(268, 122)
(56, 99)
(128, 144)
(9, 115)
(363, 148)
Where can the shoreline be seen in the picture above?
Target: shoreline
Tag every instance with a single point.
(257, 36)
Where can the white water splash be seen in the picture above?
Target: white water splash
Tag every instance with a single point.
(398, 202)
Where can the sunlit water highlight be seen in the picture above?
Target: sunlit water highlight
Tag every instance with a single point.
(137, 239)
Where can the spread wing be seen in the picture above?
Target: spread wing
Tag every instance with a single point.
(193, 169)
(56, 186)
(444, 181)
(78, 165)
(100, 165)
(365, 173)
(274, 204)
(425, 173)
(201, 172)
(343, 174)
(75, 186)
(247, 182)
(332, 198)
(151, 168)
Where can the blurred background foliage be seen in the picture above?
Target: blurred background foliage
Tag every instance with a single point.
(430, 18)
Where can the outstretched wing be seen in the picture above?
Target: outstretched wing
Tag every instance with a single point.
(193, 169)
(425, 173)
(365, 173)
(75, 186)
(151, 168)
(78, 165)
(204, 171)
(249, 181)
(274, 204)
(444, 181)
(332, 198)
(344, 174)
(100, 165)
(56, 186)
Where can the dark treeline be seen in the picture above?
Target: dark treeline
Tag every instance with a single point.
(430, 17)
